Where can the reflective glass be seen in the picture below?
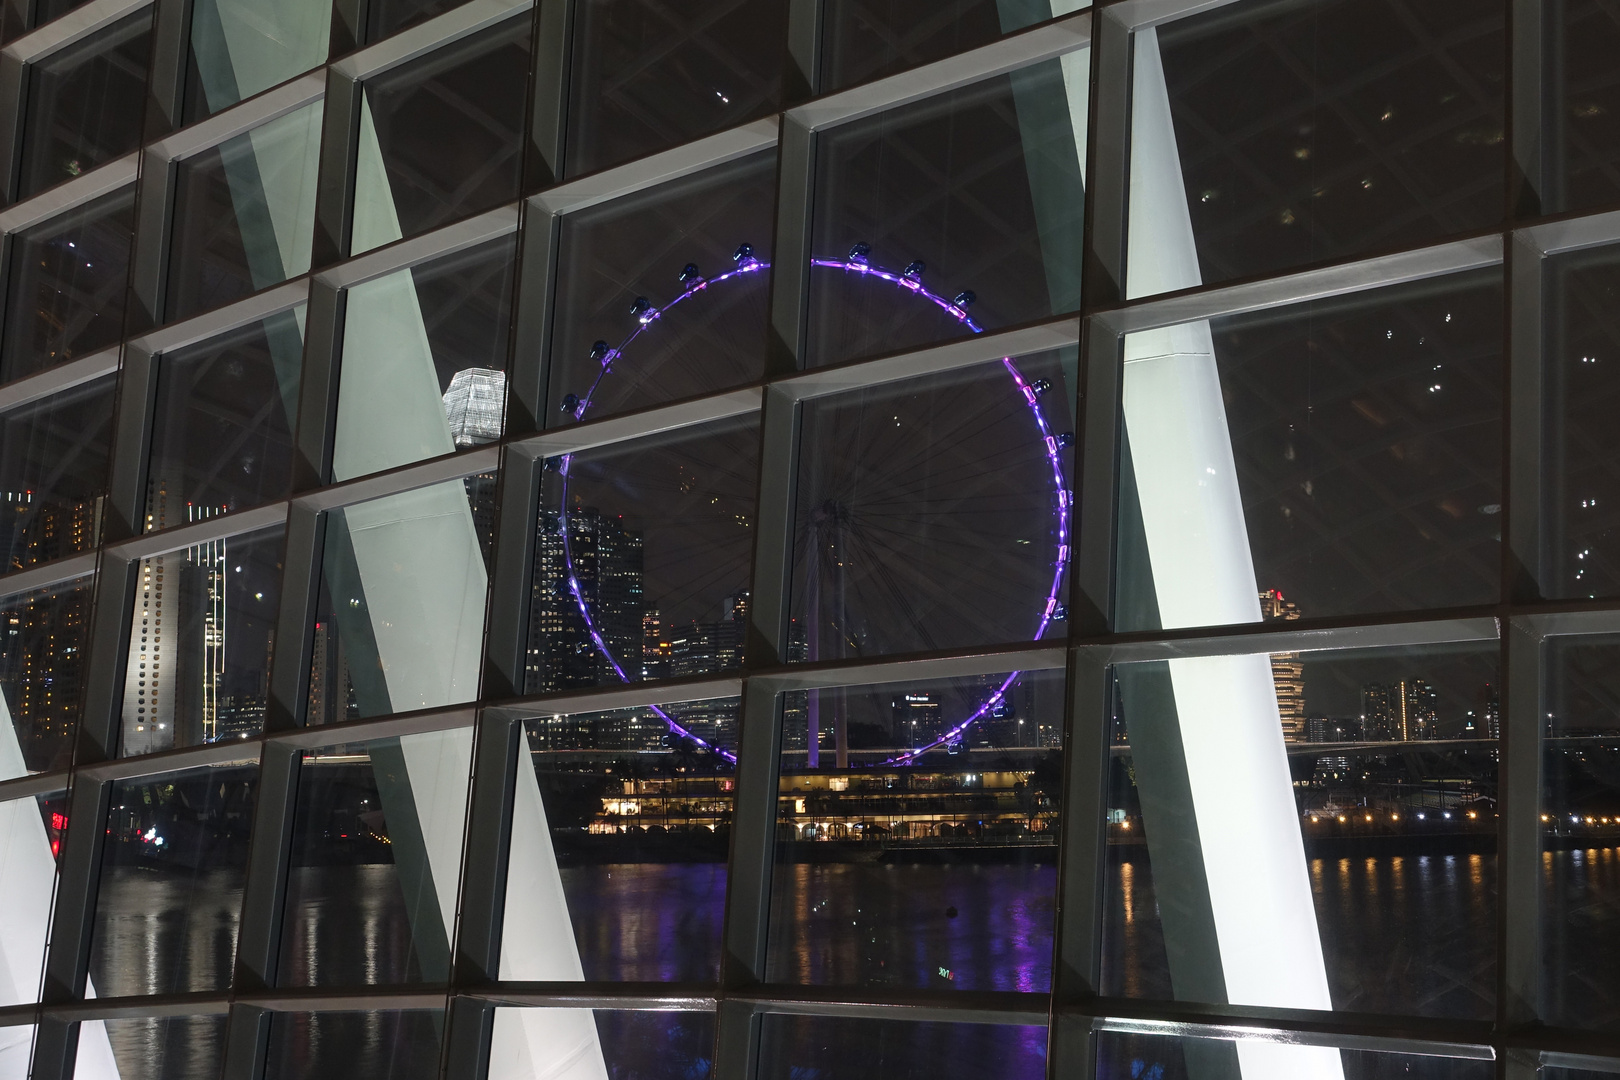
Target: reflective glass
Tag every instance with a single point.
(620, 829)
(66, 295)
(1580, 552)
(1346, 453)
(240, 47)
(849, 1049)
(42, 675)
(149, 1048)
(424, 361)
(200, 639)
(935, 512)
(53, 463)
(1256, 147)
(648, 75)
(441, 138)
(679, 248)
(400, 616)
(30, 839)
(376, 861)
(223, 426)
(1580, 813)
(244, 213)
(402, 1045)
(970, 203)
(614, 1043)
(85, 103)
(1130, 1056)
(641, 559)
(1306, 830)
(1583, 113)
(385, 17)
(866, 39)
(171, 882)
(917, 834)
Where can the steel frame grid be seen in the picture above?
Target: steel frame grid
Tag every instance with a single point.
(1074, 1011)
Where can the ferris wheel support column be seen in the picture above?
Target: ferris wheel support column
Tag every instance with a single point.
(1236, 780)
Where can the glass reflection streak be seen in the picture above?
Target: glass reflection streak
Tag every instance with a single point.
(911, 280)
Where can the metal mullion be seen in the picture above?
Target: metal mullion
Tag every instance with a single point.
(428, 36)
(318, 387)
(169, 761)
(149, 257)
(802, 79)
(959, 663)
(1519, 872)
(132, 439)
(1398, 629)
(13, 110)
(339, 155)
(1091, 604)
(82, 189)
(550, 79)
(790, 249)
(241, 118)
(295, 617)
(55, 572)
(1529, 115)
(402, 478)
(233, 316)
(166, 76)
(529, 367)
(32, 786)
(180, 537)
(506, 639)
(657, 420)
(54, 380)
(616, 696)
(1107, 170)
(1527, 568)
(411, 251)
(318, 736)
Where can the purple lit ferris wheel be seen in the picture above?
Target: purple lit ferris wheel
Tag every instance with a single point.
(1017, 467)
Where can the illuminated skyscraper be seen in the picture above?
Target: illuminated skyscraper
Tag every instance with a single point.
(607, 566)
(1286, 670)
(475, 405)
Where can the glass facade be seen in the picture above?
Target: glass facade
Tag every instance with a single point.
(809, 540)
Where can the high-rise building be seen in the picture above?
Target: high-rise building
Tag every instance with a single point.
(1287, 672)
(474, 405)
(607, 571)
(1400, 712)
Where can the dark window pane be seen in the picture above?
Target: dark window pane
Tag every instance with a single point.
(199, 643)
(376, 857)
(1310, 830)
(1346, 453)
(619, 833)
(176, 1048)
(1289, 151)
(917, 834)
(617, 1043)
(1129, 1056)
(442, 137)
(935, 512)
(866, 39)
(1580, 871)
(42, 673)
(977, 191)
(240, 47)
(649, 75)
(53, 474)
(50, 10)
(355, 1045)
(424, 361)
(385, 17)
(1584, 117)
(171, 881)
(226, 413)
(85, 103)
(641, 561)
(244, 213)
(67, 286)
(798, 1046)
(705, 330)
(30, 841)
(1580, 553)
(400, 616)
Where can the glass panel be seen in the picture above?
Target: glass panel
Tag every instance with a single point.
(227, 411)
(200, 639)
(706, 328)
(85, 103)
(917, 834)
(619, 832)
(615, 1043)
(66, 298)
(424, 361)
(42, 675)
(1129, 1056)
(649, 75)
(171, 883)
(1346, 453)
(1580, 810)
(800, 1046)
(53, 462)
(376, 859)
(1580, 553)
(400, 621)
(1307, 831)
(641, 561)
(970, 205)
(177, 1048)
(441, 138)
(1290, 152)
(866, 39)
(384, 17)
(356, 1045)
(935, 512)
(244, 214)
(240, 47)
(30, 839)
(1585, 108)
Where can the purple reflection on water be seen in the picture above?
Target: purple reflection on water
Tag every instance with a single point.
(647, 922)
